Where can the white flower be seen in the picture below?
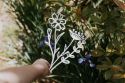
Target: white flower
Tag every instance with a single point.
(57, 21)
(77, 36)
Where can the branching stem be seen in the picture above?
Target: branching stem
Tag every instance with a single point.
(62, 53)
(61, 61)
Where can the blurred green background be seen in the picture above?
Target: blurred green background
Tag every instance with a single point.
(102, 22)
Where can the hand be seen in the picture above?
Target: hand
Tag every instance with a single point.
(42, 67)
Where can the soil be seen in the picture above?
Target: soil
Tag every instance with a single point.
(6, 21)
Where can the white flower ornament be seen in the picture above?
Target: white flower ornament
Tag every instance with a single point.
(57, 22)
(77, 36)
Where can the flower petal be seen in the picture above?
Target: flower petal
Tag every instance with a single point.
(81, 60)
(54, 16)
(54, 25)
(62, 26)
(92, 65)
(58, 27)
(60, 16)
(88, 56)
(62, 21)
(51, 20)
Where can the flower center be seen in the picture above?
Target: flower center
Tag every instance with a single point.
(58, 21)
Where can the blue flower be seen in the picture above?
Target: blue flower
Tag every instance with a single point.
(45, 42)
(81, 60)
(92, 65)
(88, 56)
(87, 60)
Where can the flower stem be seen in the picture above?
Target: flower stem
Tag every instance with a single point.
(52, 68)
(50, 45)
(62, 53)
(53, 55)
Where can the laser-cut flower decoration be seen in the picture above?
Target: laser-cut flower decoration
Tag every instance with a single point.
(58, 22)
(77, 36)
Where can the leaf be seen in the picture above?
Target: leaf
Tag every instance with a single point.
(108, 75)
(120, 3)
(117, 68)
(98, 52)
(108, 60)
(59, 36)
(79, 44)
(77, 51)
(65, 46)
(74, 48)
(64, 60)
(58, 54)
(49, 32)
(60, 10)
(57, 49)
(97, 4)
(103, 67)
(67, 52)
(118, 61)
(71, 56)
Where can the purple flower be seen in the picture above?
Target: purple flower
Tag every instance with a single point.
(81, 60)
(87, 60)
(88, 56)
(45, 42)
(92, 65)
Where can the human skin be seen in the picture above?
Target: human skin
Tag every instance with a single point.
(25, 74)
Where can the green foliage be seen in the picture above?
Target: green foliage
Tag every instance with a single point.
(102, 21)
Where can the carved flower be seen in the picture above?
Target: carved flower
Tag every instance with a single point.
(57, 21)
(77, 36)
